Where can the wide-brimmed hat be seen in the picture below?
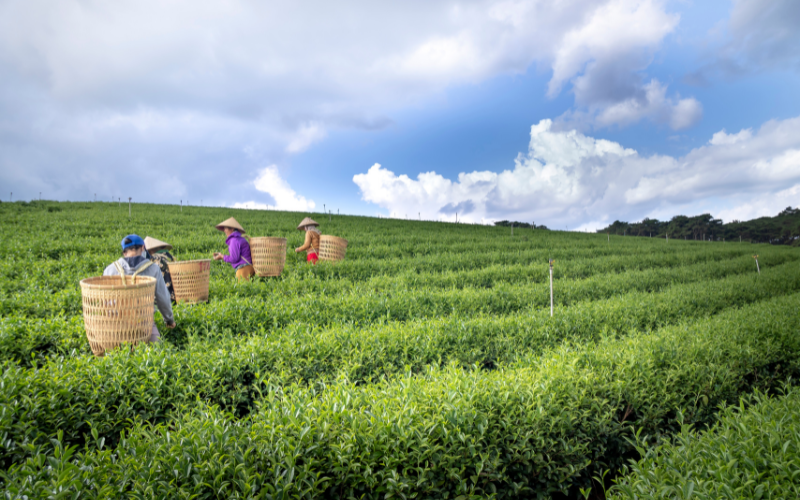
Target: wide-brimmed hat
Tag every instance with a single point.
(308, 221)
(230, 223)
(151, 243)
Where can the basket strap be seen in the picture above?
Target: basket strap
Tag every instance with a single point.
(121, 272)
(136, 273)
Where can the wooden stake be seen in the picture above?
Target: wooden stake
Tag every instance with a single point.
(512, 229)
(129, 207)
(551, 287)
(757, 268)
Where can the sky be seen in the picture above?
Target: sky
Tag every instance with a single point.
(567, 113)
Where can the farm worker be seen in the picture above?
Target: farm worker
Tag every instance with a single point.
(134, 263)
(158, 252)
(238, 247)
(311, 244)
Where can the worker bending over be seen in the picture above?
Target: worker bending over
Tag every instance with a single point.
(158, 252)
(238, 248)
(311, 245)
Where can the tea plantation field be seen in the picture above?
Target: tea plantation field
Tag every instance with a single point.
(425, 365)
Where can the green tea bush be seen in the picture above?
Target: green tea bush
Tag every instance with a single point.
(74, 394)
(532, 431)
(752, 452)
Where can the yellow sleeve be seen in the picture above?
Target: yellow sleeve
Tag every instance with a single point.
(307, 243)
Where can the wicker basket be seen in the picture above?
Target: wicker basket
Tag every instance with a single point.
(269, 255)
(332, 248)
(115, 314)
(190, 280)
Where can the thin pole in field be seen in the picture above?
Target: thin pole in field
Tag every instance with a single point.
(181, 205)
(512, 229)
(757, 268)
(608, 235)
(667, 237)
(551, 287)
(129, 206)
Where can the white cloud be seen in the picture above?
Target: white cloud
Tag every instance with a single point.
(604, 59)
(305, 136)
(722, 138)
(269, 181)
(570, 178)
(183, 87)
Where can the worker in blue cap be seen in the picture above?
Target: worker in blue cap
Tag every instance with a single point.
(134, 263)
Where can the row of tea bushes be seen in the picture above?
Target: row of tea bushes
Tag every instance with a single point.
(48, 290)
(76, 394)
(250, 314)
(447, 434)
(33, 340)
(752, 452)
(322, 302)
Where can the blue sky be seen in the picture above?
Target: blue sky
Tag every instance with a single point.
(570, 114)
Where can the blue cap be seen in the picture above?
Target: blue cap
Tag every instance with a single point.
(132, 240)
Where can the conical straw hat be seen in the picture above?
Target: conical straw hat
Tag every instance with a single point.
(230, 223)
(308, 221)
(153, 244)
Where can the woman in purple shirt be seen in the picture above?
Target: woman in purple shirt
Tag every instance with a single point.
(238, 248)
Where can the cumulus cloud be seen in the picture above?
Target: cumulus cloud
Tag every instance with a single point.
(567, 177)
(270, 181)
(604, 58)
(85, 83)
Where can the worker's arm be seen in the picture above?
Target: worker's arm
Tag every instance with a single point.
(235, 252)
(162, 299)
(307, 243)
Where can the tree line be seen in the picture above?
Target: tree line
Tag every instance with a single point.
(783, 229)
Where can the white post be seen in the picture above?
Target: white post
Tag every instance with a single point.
(608, 235)
(757, 268)
(551, 287)
(512, 229)
(129, 206)
(667, 237)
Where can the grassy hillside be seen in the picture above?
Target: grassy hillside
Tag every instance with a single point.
(425, 365)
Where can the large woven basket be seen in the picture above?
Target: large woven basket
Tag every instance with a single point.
(269, 255)
(116, 314)
(332, 248)
(190, 280)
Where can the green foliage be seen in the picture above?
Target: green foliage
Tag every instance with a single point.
(425, 365)
(753, 452)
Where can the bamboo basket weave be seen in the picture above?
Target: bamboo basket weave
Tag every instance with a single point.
(269, 255)
(190, 280)
(115, 314)
(332, 248)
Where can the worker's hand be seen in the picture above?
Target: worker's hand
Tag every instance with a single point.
(296, 250)
(171, 325)
(217, 256)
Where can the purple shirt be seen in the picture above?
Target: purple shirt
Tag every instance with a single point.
(239, 250)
